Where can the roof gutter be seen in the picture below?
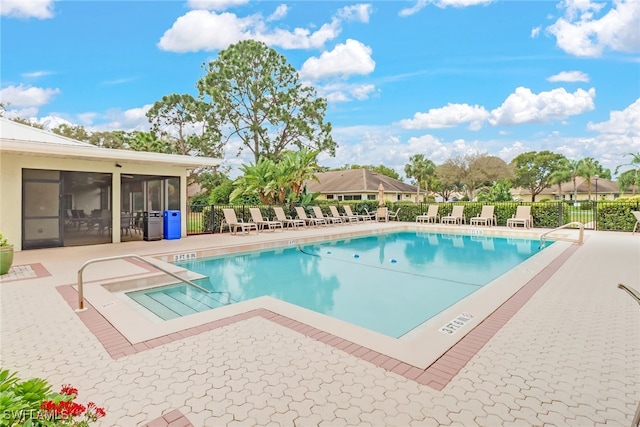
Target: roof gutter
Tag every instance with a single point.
(39, 149)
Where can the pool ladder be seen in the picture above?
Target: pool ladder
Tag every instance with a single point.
(574, 223)
(138, 258)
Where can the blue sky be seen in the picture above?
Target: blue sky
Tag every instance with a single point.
(440, 78)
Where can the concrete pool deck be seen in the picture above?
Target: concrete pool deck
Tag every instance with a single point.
(565, 350)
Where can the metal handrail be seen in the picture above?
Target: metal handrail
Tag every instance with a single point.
(580, 235)
(139, 258)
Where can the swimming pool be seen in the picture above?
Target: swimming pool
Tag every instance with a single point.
(389, 283)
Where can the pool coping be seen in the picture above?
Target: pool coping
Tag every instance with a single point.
(420, 359)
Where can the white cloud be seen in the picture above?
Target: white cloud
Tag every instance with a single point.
(208, 30)
(535, 32)
(448, 116)
(27, 96)
(279, 13)
(36, 74)
(343, 92)
(625, 122)
(40, 9)
(408, 11)
(523, 106)
(215, 4)
(580, 33)
(460, 3)
(357, 12)
(352, 57)
(204, 30)
(569, 76)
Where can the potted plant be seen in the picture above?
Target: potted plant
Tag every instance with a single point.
(6, 255)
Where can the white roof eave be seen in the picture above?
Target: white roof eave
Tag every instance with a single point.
(43, 149)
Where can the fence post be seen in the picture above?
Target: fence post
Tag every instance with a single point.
(560, 213)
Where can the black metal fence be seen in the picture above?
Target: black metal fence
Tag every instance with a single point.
(601, 215)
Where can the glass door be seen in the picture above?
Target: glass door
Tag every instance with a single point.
(41, 221)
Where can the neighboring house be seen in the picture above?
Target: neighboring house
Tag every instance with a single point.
(359, 184)
(56, 191)
(606, 190)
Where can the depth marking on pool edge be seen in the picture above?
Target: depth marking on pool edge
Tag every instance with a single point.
(184, 257)
(454, 325)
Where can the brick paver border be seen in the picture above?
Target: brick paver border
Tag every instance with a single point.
(174, 418)
(437, 375)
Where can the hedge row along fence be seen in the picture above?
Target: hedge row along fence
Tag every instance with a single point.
(601, 215)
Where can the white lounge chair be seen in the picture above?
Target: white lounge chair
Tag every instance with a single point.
(637, 215)
(394, 215)
(486, 217)
(522, 217)
(345, 218)
(432, 215)
(309, 220)
(456, 217)
(290, 222)
(317, 211)
(230, 220)
(256, 217)
(350, 213)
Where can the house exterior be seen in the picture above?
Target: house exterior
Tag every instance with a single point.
(56, 191)
(606, 190)
(360, 184)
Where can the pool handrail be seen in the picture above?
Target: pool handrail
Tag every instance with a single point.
(573, 223)
(143, 260)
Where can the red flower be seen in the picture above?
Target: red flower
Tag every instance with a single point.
(69, 390)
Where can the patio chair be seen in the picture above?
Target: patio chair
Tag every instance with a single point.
(317, 211)
(432, 215)
(456, 217)
(394, 215)
(382, 214)
(256, 217)
(287, 220)
(486, 217)
(349, 212)
(231, 221)
(522, 217)
(637, 215)
(372, 215)
(309, 220)
(345, 218)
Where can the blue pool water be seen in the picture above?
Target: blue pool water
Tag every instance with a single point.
(388, 283)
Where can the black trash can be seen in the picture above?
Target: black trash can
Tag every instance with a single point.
(152, 226)
(171, 224)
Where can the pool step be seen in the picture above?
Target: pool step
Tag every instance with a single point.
(154, 306)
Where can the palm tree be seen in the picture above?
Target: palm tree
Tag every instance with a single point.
(257, 179)
(562, 174)
(590, 168)
(421, 170)
(574, 167)
(635, 164)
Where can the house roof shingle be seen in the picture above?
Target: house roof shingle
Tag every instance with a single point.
(356, 181)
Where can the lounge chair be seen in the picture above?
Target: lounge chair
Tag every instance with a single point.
(345, 218)
(372, 215)
(350, 213)
(486, 217)
(230, 220)
(256, 217)
(317, 211)
(309, 220)
(394, 215)
(382, 214)
(290, 222)
(522, 217)
(432, 215)
(637, 215)
(456, 217)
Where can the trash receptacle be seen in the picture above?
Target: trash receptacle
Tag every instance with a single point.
(152, 226)
(171, 224)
